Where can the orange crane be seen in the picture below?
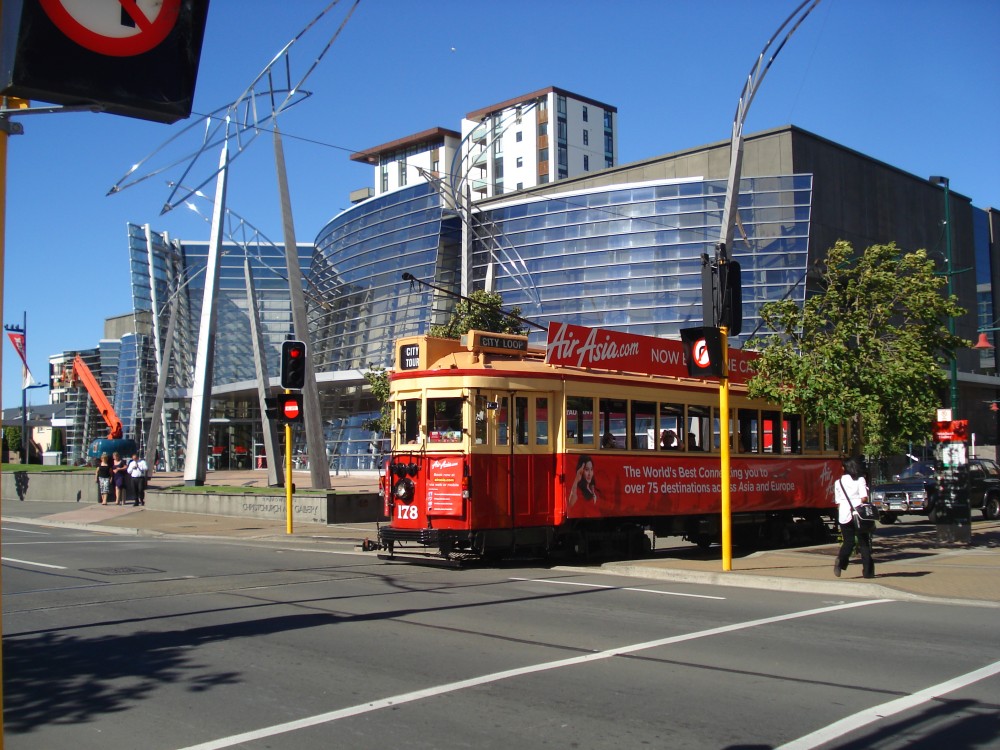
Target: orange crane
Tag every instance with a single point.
(79, 373)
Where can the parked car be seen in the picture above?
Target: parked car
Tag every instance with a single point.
(914, 491)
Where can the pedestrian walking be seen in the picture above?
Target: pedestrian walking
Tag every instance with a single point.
(850, 491)
(137, 471)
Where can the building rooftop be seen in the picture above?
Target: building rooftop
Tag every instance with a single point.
(479, 114)
(371, 155)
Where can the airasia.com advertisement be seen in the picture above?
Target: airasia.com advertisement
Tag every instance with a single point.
(444, 487)
(603, 485)
(599, 348)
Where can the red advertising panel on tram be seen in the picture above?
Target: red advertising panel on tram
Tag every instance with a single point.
(611, 485)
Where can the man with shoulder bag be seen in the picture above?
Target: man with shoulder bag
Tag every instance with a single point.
(137, 471)
(856, 517)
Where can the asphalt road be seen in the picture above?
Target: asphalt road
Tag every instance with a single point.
(166, 642)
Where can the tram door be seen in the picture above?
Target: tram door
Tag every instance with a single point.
(524, 458)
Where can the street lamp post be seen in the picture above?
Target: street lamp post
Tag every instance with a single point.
(944, 182)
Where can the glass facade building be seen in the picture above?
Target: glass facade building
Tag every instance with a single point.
(620, 248)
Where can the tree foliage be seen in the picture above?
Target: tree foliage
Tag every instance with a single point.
(378, 380)
(483, 313)
(869, 349)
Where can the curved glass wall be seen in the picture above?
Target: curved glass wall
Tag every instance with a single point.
(630, 257)
(357, 272)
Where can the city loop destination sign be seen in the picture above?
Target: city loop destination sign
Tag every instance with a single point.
(602, 349)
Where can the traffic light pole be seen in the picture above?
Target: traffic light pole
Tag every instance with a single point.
(288, 474)
(724, 449)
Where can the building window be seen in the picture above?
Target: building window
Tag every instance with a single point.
(517, 136)
(609, 144)
(543, 179)
(543, 129)
(608, 161)
(402, 173)
(543, 154)
(563, 157)
(436, 165)
(561, 105)
(520, 161)
(586, 137)
(520, 186)
(586, 163)
(585, 114)
(385, 177)
(607, 120)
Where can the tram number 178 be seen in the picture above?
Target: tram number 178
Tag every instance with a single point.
(406, 512)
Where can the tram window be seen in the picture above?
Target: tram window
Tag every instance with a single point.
(541, 421)
(699, 428)
(579, 420)
(672, 433)
(831, 438)
(445, 416)
(793, 433)
(481, 402)
(409, 421)
(613, 416)
(812, 437)
(643, 426)
(749, 430)
(502, 417)
(521, 419)
(771, 432)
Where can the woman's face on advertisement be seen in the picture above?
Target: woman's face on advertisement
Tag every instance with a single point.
(588, 472)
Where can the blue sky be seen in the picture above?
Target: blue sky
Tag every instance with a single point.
(913, 83)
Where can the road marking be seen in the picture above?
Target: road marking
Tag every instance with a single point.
(619, 588)
(28, 562)
(451, 687)
(877, 713)
(24, 531)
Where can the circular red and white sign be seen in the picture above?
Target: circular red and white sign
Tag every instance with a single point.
(291, 409)
(117, 28)
(700, 353)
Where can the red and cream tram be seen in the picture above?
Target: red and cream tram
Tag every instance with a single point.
(499, 449)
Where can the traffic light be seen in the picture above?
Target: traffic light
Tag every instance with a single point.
(270, 407)
(290, 407)
(293, 365)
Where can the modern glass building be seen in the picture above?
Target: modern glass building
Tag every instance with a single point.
(620, 248)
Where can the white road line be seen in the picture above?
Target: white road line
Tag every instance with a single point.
(877, 713)
(619, 588)
(23, 531)
(28, 562)
(451, 687)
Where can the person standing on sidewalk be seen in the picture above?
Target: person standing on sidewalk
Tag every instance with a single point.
(137, 470)
(104, 478)
(118, 479)
(849, 492)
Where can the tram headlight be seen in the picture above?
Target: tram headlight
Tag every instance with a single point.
(404, 490)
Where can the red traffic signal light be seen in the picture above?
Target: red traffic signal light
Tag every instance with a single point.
(293, 365)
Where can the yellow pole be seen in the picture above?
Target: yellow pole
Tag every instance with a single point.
(5, 124)
(727, 520)
(288, 475)
(3, 233)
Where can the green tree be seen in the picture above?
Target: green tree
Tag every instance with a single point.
(483, 313)
(870, 348)
(378, 380)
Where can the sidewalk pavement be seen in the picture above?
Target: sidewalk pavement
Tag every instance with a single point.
(911, 563)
